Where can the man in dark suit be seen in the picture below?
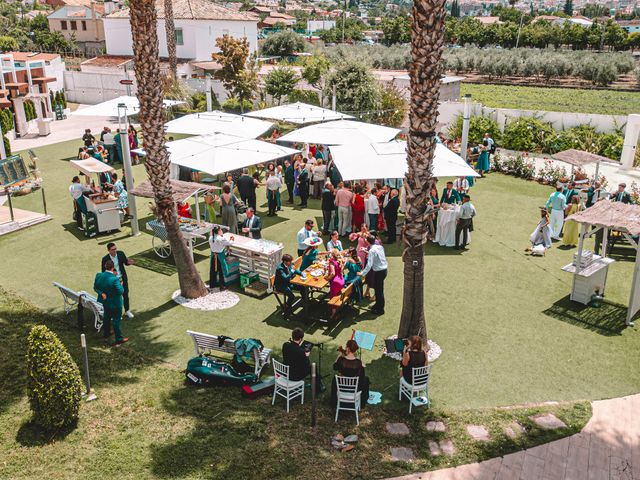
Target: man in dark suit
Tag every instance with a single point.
(109, 289)
(391, 215)
(303, 186)
(295, 356)
(289, 179)
(282, 282)
(120, 262)
(450, 195)
(621, 195)
(252, 225)
(247, 189)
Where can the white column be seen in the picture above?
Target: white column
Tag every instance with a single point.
(128, 171)
(583, 231)
(466, 116)
(631, 134)
(633, 304)
(207, 83)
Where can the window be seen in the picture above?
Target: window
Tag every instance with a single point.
(179, 37)
(74, 25)
(63, 24)
(84, 24)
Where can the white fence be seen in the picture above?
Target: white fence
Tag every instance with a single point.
(91, 88)
(448, 111)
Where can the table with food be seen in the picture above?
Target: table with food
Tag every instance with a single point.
(192, 230)
(446, 231)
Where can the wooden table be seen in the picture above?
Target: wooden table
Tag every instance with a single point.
(311, 283)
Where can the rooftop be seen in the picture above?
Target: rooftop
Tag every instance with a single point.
(76, 12)
(116, 61)
(24, 56)
(195, 10)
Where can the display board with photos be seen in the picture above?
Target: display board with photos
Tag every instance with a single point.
(12, 170)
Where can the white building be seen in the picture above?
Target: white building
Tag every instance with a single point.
(198, 24)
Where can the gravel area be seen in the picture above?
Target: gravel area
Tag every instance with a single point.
(215, 300)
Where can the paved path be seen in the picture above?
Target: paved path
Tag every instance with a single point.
(608, 448)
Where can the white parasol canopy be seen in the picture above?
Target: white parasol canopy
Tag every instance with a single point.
(218, 122)
(110, 107)
(389, 160)
(299, 113)
(91, 165)
(341, 132)
(219, 153)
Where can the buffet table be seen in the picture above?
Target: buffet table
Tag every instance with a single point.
(104, 207)
(446, 226)
(256, 255)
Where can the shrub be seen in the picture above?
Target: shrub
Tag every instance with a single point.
(478, 126)
(304, 96)
(393, 107)
(232, 105)
(53, 380)
(551, 173)
(6, 120)
(7, 145)
(30, 110)
(527, 134)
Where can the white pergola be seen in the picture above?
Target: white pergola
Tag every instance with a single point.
(298, 113)
(341, 132)
(206, 123)
(389, 160)
(604, 216)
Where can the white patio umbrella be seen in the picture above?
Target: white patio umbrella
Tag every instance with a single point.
(299, 113)
(205, 123)
(110, 107)
(341, 132)
(370, 161)
(219, 153)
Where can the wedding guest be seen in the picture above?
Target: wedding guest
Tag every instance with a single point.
(373, 209)
(228, 202)
(303, 185)
(295, 356)
(273, 191)
(353, 266)
(621, 195)
(252, 225)
(247, 188)
(282, 282)
(344, 197)
(305, 232)
(109, 290)
(391, 215)
(328, 207)
(120, 262)
(289, 179)
(348, 365)
(318, 176)
(570, 235)
(357, 208)
(557, 203)
(218, 244)
(376, 262)
(413, 356)
(334, 242)
(542, 233)
(461, 185)
(450, 195)
(463, 223)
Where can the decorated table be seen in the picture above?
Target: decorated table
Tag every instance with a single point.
(312, 280)
(191, 230)
(446, 227)
(257, 255)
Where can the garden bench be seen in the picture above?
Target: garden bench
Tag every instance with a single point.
(205, 343)
(82, 299)
(342, 300)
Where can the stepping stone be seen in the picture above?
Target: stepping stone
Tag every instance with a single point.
(351, 439)
(447, 447)
(548, 421)
(435, 426)
(397, 428)
(434, 448)
(478, 432)
(402, 454)
(514, 430)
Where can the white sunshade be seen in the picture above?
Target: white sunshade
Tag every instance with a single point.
(91, 165)
(110, 107)
(341, 132)
(206, 123)
(219, 153)
(389, 160)
(299, 113)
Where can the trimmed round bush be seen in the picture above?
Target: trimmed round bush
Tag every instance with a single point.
(53, 380)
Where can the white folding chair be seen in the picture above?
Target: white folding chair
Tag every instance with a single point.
(287, 389)
(348, 394)
(419, 387)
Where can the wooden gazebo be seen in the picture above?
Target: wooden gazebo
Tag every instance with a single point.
(580, 158)
(606, 215)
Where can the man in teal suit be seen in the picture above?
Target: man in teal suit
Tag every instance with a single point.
(110, 290)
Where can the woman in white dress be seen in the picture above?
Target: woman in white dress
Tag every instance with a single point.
(541, 236)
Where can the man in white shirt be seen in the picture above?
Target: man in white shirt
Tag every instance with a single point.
(304, 233)
(376, 261)
(273, 187)
(463, 223)
(461, 185)
(373, 209)
(76, 190)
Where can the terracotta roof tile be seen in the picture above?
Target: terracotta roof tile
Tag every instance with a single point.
(195, 10)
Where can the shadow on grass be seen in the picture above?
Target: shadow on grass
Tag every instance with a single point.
(31, 434)
(73, 229)
(608, 320)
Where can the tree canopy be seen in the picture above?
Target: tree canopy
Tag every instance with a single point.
(283, 44)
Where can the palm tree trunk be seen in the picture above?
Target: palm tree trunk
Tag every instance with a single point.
(147, 67)
(170, 30)
(427, 40)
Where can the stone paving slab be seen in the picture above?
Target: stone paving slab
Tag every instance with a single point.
(478, 432)
(436, 426)
(402, 454)
(548, 421)
(397, 428)
(607, 448)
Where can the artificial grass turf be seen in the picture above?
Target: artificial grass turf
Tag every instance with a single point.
(605, 102)
(147, 424)
(508, 334)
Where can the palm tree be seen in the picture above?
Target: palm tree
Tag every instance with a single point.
(427, 40)
(170, 30)
(147, 67)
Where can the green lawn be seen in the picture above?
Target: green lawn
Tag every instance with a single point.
(482, 305)
(607, 102)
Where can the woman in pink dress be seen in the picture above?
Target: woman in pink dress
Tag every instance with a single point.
(334, 275)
